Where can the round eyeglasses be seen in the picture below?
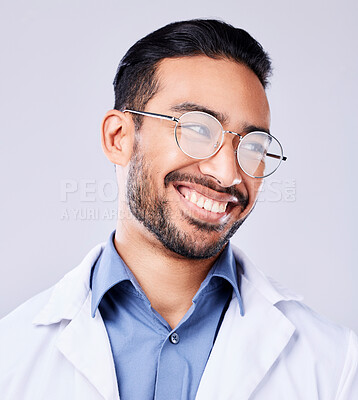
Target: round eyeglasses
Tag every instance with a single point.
(200, 135)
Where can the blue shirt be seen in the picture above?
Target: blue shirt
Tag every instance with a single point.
(152, 360)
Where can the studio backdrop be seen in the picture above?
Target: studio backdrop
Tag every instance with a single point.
(58, 193)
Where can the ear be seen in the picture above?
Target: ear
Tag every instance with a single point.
(118, 137)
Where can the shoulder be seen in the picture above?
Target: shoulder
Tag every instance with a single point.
(326, 350)
(319, 352)
(319, 349)
(33, 327)
(311, 328)
(307, 320)
(19, 337)
(18, 324)
(323, 339)
(25, 312)
(289, 303)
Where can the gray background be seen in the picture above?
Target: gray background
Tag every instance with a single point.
(58, 59)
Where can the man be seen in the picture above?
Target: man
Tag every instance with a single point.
(167, 308)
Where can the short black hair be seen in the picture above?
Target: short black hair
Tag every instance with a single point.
(135, 81)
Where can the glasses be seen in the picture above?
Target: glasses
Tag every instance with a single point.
(200, 135)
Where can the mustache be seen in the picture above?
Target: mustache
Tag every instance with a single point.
(232, 190)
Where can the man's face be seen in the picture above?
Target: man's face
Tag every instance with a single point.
(193, 206)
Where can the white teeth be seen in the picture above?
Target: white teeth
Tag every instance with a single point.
(201, 202)
(215, 207)
(207, 204)
(193, 198)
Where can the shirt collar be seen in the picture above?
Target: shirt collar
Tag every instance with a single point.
(225, 268)
(110, 269)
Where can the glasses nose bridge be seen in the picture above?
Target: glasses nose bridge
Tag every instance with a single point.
(233, 133)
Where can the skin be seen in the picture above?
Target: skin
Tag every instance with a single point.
(170, 279)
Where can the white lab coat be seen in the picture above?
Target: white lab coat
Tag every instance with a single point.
(52, 349)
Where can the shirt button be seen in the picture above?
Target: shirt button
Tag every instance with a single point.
(174, 338)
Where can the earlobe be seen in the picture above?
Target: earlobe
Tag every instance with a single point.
(117, 137)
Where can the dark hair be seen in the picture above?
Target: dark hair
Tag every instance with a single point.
(135, 82)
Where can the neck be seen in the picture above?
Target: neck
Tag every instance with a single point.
(169, 281)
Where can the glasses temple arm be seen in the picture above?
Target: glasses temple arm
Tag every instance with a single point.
(155, 115)
(276, 156)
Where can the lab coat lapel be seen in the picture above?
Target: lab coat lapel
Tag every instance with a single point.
(246, 346)
(84, 342)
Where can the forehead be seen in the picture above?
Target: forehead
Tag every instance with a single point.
(223, 85)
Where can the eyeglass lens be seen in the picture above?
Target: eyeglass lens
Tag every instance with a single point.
(200, 135)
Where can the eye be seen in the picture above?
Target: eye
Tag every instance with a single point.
(255, 147)
(256, 144)
(195, 129)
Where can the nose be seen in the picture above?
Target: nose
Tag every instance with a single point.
(223, 166)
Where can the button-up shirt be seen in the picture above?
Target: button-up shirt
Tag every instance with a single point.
(152, 360)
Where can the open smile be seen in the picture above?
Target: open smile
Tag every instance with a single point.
(204, 203)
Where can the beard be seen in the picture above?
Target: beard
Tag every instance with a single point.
(154, 212)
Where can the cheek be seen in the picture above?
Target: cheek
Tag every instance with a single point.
(158, 134)
(165, 157)
(161, 150)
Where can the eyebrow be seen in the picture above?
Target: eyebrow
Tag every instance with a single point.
(254, 128)
(223, 118)
(187, 106)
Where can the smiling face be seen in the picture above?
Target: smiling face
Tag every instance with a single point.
(193, 207)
